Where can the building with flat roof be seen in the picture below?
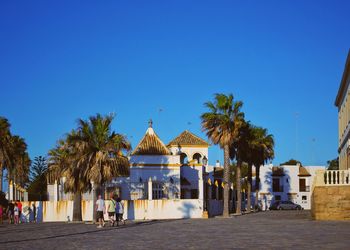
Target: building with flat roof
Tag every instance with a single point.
(342, 102)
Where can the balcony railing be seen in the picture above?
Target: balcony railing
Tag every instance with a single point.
(336, 177)
(304, 189)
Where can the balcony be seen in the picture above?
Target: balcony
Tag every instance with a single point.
(304, 189)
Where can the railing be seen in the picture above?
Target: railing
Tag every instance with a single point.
(336, 177)
(304, 189)
(138, 190)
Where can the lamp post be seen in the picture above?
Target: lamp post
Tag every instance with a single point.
(205, 189)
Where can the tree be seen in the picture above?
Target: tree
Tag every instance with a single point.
(13, 155)
(37, 189)
(333, 164)
(263, 152)
(240, 150)
(221, 125)
(91, 153)
(5, 147)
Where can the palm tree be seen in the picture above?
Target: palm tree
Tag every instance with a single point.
(92, 153)
(5, 147)
(240, 150)
(263, 152)
(221, 125)
(19, 169)
(13, 156)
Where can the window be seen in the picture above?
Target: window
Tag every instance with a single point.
(183, 158)
(277, 197)
(304, 198)
(276, 185)
(302, 185)
(157, 190)
(194, 193)
(197, 157)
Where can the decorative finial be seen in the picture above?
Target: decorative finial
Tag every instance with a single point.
(150, 123)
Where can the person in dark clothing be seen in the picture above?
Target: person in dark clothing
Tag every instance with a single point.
(34, 212)
(10, 212)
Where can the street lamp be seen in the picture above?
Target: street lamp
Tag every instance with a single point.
(205, 161)
(205, 186)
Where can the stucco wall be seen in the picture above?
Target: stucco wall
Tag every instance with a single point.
(331, 203)
(60, 211)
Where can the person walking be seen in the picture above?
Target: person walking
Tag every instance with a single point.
(111, 210)
(119, 210)
(19, 205)
(34, 212)
(100, 207)
(1, 213)
(16, 214)
(10, 212)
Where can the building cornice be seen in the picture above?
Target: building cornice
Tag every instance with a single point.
(343, 83)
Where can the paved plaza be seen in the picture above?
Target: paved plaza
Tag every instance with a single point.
(264, 230)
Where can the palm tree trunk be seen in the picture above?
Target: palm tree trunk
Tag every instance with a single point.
(238, 187)
(257, 186)
(226, 212)
(249, 188)
(77, 216)
(8, 184)
(1, 175)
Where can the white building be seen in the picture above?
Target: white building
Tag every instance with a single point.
(174, 170)
(177, 170)
(283, 183)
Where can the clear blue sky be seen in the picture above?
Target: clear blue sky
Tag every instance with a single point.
(61, 60)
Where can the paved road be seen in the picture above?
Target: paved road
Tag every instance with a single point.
(265, 230)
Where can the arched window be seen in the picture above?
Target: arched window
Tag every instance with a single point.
(197, 157)
(183, 158)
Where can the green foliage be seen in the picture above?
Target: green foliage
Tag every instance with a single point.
(13, 154)
(333, 164)
(37, 189)
(244, 174)
(38, 168)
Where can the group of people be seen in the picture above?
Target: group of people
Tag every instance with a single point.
(14, 212)
(114, 207)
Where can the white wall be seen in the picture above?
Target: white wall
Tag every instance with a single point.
(152, 159)
(266, 194)
(50, 211)
(190, 151)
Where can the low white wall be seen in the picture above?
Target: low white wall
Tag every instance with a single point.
(55, 211)
(163, 209)
(59, 211)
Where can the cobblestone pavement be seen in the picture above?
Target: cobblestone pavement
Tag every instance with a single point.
(264, 230)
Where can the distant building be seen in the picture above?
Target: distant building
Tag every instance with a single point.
(342, 101)
(286, 183)
(173, 171)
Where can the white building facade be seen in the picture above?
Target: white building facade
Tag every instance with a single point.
(287, 183)
(173, 174)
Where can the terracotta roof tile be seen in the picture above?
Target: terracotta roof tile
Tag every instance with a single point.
(303, 172)
(188, 138)
(151, 145)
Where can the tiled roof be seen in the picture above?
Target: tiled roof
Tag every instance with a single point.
(277, 171)
(151, 145)
(187, 138)
(303, 172)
